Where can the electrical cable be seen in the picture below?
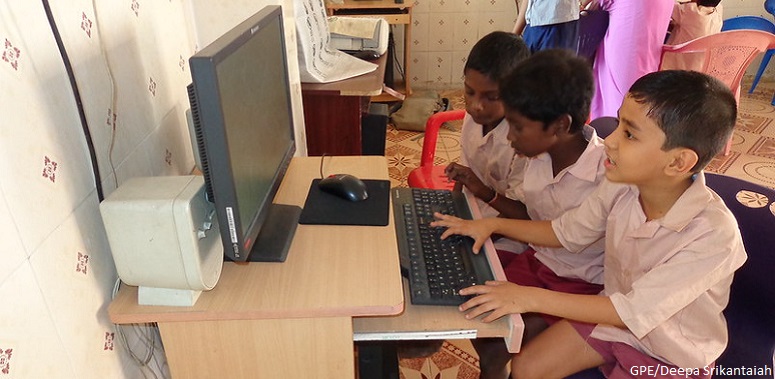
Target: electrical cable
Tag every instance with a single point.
(392, 47)
(146, 334)
(113, 111)
(78, 101)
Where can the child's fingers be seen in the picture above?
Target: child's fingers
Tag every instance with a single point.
(478, 243)
(473, 290)
(494, 315)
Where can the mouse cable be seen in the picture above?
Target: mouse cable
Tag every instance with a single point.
(321, 165)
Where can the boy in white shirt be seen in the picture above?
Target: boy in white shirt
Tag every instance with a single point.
(487, 160)
(672, 245)
(547, 99)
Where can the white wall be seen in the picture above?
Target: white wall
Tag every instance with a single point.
(445, 30)
(211, 18)
(130, 60)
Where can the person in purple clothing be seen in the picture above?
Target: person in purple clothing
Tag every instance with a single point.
(630, 49)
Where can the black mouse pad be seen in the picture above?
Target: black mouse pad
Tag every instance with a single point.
(323, 208)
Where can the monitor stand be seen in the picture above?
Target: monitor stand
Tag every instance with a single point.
(274, 239)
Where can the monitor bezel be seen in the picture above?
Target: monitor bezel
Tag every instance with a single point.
(212, 139)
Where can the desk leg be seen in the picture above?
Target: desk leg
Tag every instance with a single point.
(407, 55)
(280, 348)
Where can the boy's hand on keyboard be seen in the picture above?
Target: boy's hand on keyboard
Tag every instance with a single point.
(479, 230)
(498, 298)
(465, 176)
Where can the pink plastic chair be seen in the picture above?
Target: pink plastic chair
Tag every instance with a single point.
(725, 56)
(428, 175)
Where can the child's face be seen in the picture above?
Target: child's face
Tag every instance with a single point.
(634, 149)
(528, 137)
(482, 98)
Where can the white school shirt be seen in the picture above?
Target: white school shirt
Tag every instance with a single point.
(550, 12)
(667, 278)
(494, 162)
(548, 196)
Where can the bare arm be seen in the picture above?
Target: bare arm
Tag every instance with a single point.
(521, 8)
(502, 298)
(535, 232)
(465, 177)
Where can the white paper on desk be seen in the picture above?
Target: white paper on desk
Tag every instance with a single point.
(318, 61)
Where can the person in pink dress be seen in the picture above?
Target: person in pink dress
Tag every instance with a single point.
(630, 49)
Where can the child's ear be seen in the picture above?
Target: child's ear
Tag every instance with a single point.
(683, 161)
(562, 124)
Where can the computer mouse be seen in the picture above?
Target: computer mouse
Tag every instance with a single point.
(345, 186)
(367, 55)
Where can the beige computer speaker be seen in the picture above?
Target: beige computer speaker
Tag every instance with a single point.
(164, 238)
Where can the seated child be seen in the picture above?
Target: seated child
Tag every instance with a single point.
(547, 99)
(692, 19)
(487, 161)
(486, 152)
(672, 246)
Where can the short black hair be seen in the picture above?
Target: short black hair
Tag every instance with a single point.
(708, 3)
(549, 84)
(693, 109)
(496, 54)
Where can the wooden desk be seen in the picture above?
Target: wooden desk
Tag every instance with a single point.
(298, 319)
(332, 112)
(393, 13)
(290, 319)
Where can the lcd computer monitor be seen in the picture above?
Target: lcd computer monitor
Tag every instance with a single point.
(243, 122)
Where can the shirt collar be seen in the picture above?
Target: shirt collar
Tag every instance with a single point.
(693, 201)
(587, 166)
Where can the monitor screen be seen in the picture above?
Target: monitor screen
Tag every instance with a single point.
(241, 110)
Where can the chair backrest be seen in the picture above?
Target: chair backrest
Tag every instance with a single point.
(769, 6)
(754, 208)
(605, 125)
(751, 308)
(748, 22)
(432, 133)
(726, 54)
(592, 27)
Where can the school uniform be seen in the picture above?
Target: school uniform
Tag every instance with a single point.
(551, 24)
(548, 196)
(494, 162)
(667, 278)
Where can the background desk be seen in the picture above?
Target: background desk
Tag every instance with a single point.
(393, 13)
(332, 112)
(291, 319)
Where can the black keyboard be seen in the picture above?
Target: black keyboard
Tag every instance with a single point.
(436, 270)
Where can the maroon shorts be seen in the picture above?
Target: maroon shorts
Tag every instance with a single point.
(526, 270)
(624, 361)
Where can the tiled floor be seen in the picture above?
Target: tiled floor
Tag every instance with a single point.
(752, 157)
